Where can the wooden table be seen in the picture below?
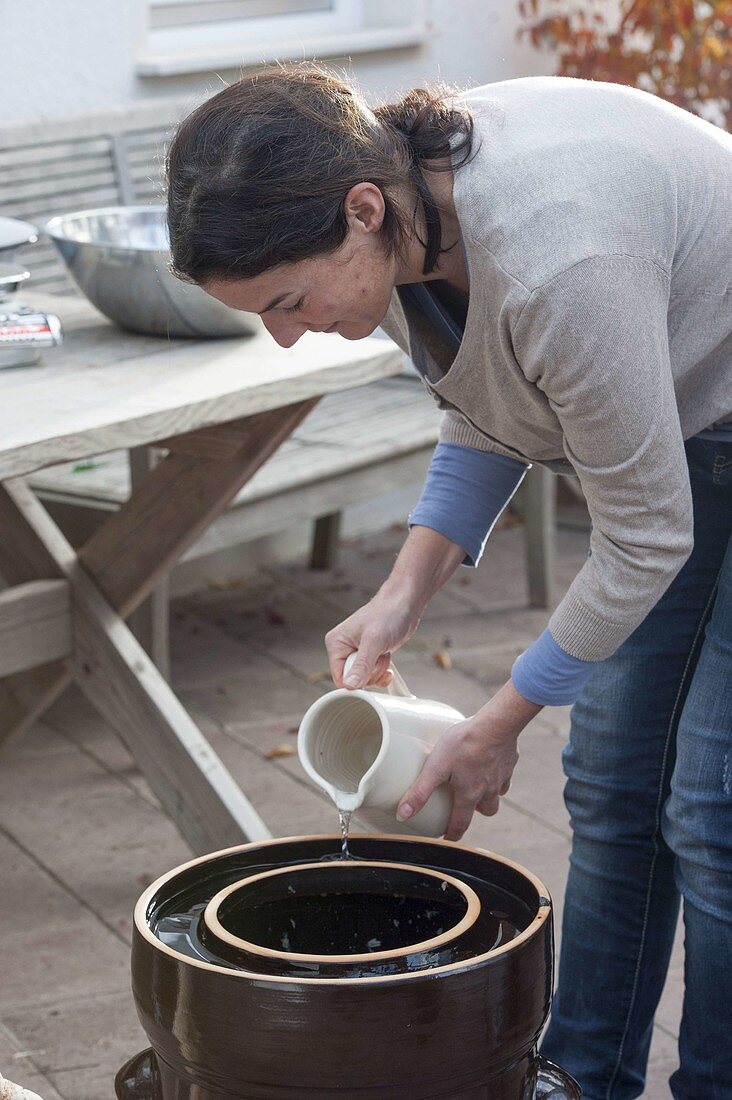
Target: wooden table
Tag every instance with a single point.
(220, 409)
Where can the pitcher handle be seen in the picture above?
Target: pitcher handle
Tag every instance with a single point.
(397, 686)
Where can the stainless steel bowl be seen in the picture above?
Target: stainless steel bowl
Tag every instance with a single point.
(119, 257)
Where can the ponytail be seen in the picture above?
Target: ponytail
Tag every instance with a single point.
(426, 122)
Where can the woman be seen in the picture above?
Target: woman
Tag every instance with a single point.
(555, 256)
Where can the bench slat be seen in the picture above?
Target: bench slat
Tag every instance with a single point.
(52, 152)
(60, 204)
(47, 189)
(147, 153)
(24, 174)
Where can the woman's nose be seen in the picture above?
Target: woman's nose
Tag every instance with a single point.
(284, 333)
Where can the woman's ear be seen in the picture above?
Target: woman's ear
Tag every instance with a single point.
(364, 207)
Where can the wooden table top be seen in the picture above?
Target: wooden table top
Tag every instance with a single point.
(105, 388)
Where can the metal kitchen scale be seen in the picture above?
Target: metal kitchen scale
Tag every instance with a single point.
(24, 332)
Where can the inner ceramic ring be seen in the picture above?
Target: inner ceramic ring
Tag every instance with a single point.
(345, 910)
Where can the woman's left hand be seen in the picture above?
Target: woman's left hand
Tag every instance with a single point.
(476, 758)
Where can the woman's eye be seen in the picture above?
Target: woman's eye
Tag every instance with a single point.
(294, 309)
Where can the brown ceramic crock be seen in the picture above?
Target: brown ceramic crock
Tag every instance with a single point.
(462, 1025)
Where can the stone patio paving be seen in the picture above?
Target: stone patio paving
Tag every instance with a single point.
(81, 834)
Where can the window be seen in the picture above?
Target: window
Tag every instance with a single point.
(199, 35)
(252, 19)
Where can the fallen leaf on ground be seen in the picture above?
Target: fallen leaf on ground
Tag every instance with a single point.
(279, 750)
(227, 585)
(318, 677)
(442, 659)
(464, 582)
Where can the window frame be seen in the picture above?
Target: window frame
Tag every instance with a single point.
(352, 26)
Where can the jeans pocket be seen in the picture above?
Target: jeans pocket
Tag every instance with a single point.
(710, 460)
(722, 466)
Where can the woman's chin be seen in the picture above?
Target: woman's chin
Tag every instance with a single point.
(357, 330)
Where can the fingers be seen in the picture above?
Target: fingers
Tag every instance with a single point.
(379, 678)
(466, 801)
(462, 815)
(488, 805)
(431, 776)
(370, 667)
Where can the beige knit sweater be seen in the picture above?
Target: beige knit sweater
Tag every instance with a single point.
(597, 224)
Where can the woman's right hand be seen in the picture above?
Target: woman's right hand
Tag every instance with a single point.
(373, 632)
(390, 619)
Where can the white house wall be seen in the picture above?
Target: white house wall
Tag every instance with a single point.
(66, 56)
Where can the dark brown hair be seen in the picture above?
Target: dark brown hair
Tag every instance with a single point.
(257, 174)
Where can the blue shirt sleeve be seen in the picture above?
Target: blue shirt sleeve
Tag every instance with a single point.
(464, 493)
(549, 676)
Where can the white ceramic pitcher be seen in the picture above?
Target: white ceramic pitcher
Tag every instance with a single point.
(366, 748)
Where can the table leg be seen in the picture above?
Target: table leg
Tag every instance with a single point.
(540, 489)
(324, 551)
(25, 696)
(150, 623)
(111, 576)
(118, 677)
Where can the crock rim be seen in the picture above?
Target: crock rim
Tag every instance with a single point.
(536, 925)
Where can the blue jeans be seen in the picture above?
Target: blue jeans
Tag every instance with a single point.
(649, 792)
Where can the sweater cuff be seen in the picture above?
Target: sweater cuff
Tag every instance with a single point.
(585, 635)
(547, 675)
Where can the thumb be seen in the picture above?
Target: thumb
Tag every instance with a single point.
(365, 665)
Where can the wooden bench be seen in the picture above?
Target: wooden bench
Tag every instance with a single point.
(352, 447)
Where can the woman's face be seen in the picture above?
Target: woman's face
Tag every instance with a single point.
(347, 291)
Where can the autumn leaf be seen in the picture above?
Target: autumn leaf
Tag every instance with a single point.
(229, 585)
(679, 49)
(442, 659)
(716, 48)
(279, 750)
